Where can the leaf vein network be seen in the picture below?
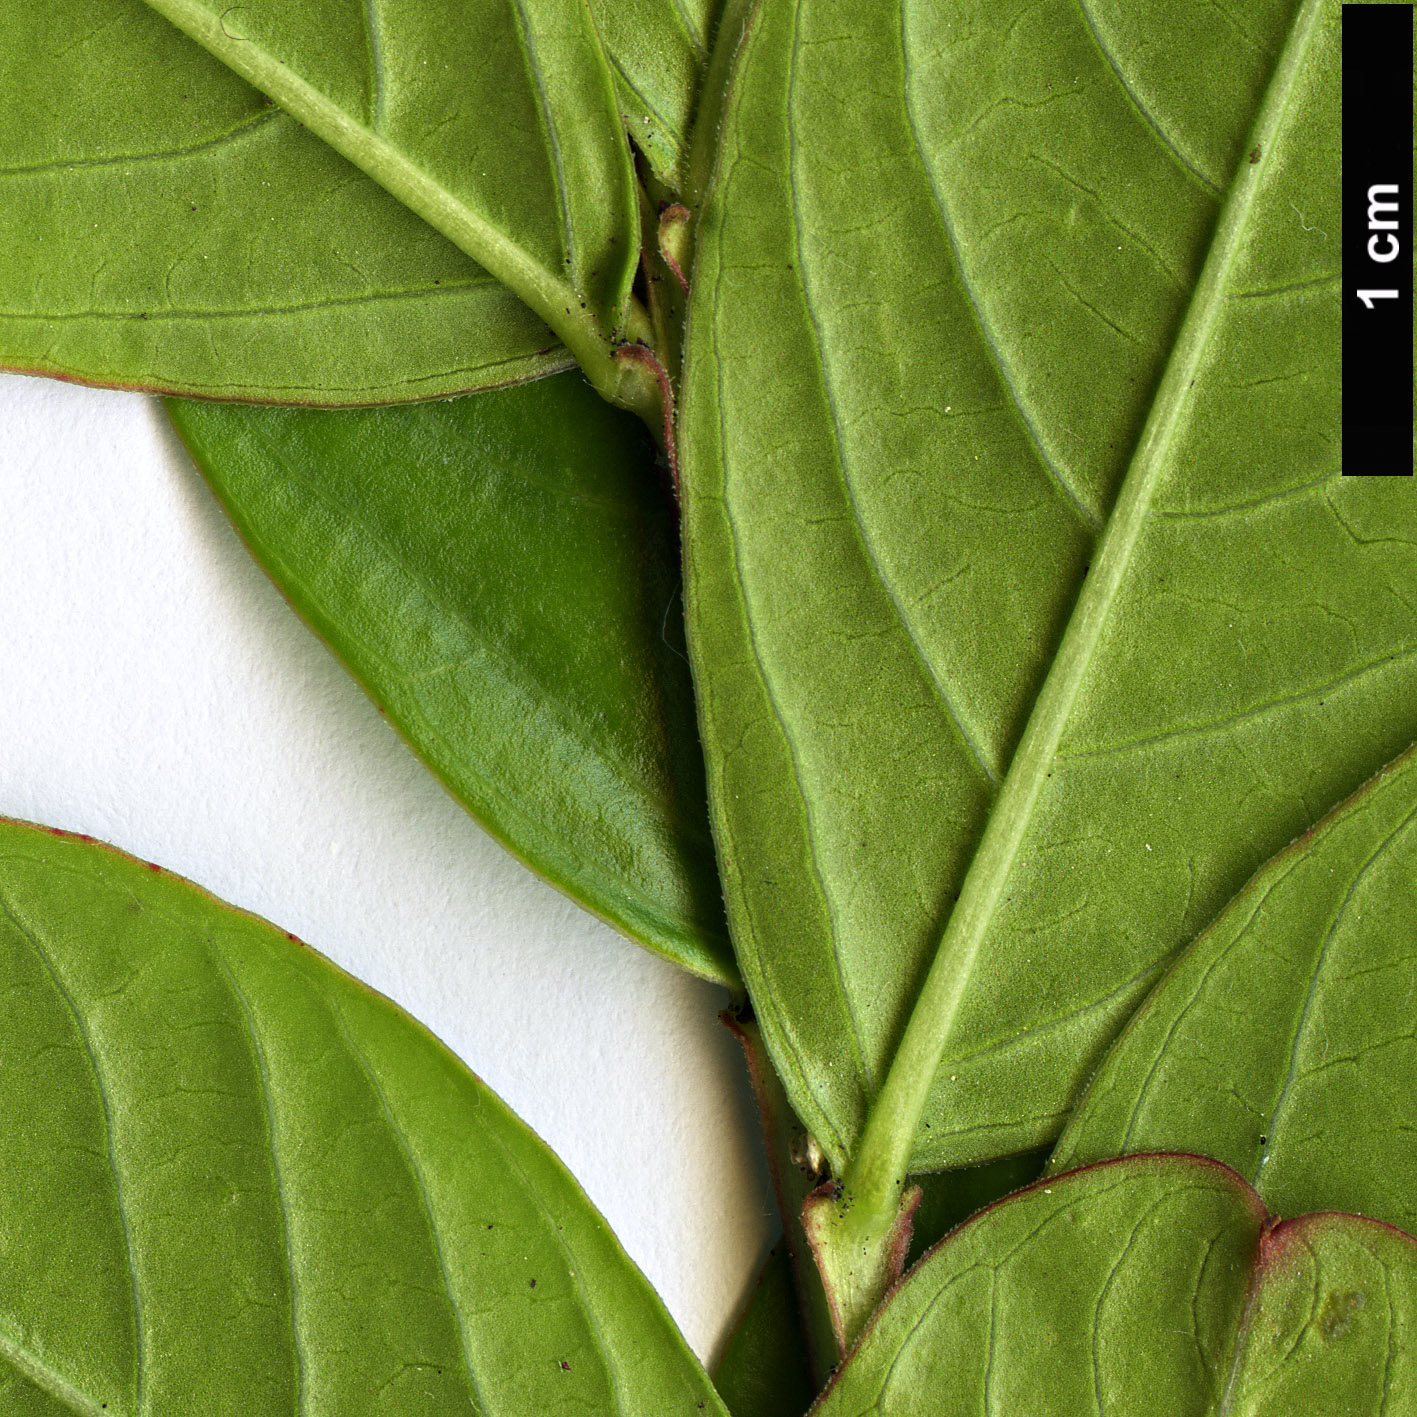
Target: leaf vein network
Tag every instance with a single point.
(1145, 114)
(1064, 489)
(1197, 993)
(253, 312)
(420, 1185)
(1291, 1075)
(1173, 277)
(863, 536)
(1219, 725)
(553, 144)
(106, 1104)
(375, 49)
(39, 1374)
(237, 131)
(726, 502)
(262, 1067)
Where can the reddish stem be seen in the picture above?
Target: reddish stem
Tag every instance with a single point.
(642, 354)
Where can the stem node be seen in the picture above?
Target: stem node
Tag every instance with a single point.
(860, 1253)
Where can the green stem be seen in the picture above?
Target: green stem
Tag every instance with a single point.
(875, 1176)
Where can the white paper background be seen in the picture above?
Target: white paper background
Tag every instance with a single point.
(157, 692)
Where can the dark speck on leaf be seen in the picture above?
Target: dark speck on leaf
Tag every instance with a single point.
(533, 1284)
(1255, 153)
(565, 1366)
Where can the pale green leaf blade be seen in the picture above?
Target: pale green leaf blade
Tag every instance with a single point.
(493, 120)
(1281, 1042)
(1332, 1310)
(1153, 1285)
(499, 573)
(949, 255)
(657, 50)
(163, 227)
(237, 1181)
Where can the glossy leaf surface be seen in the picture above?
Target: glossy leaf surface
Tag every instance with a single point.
(1151, 1285)
(493, 120)
(657, 50)
(237, 1181)
(499, 573)
(1282, 1042)
(161, 226)
(965, 268)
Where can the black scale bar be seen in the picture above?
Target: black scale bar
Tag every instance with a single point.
(1377, 240)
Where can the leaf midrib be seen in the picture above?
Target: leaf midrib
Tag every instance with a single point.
(884, 1149)
(556, 301)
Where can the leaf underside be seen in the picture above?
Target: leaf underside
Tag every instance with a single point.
(947, 257)
(237, 1181)
(498, 572)
(495, 121)
(1152, 1285)
(1282, 1042)
(657, 50)
(163, 227)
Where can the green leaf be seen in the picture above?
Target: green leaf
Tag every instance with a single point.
(1328, 1327)
(764, 1370)
(657, 50)
(1030, 610)
(949, 1198)
(161, 226)
(237, 1181)
(1153, 1285)
(499, 573)
(1281, 1042)
(493, 120)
